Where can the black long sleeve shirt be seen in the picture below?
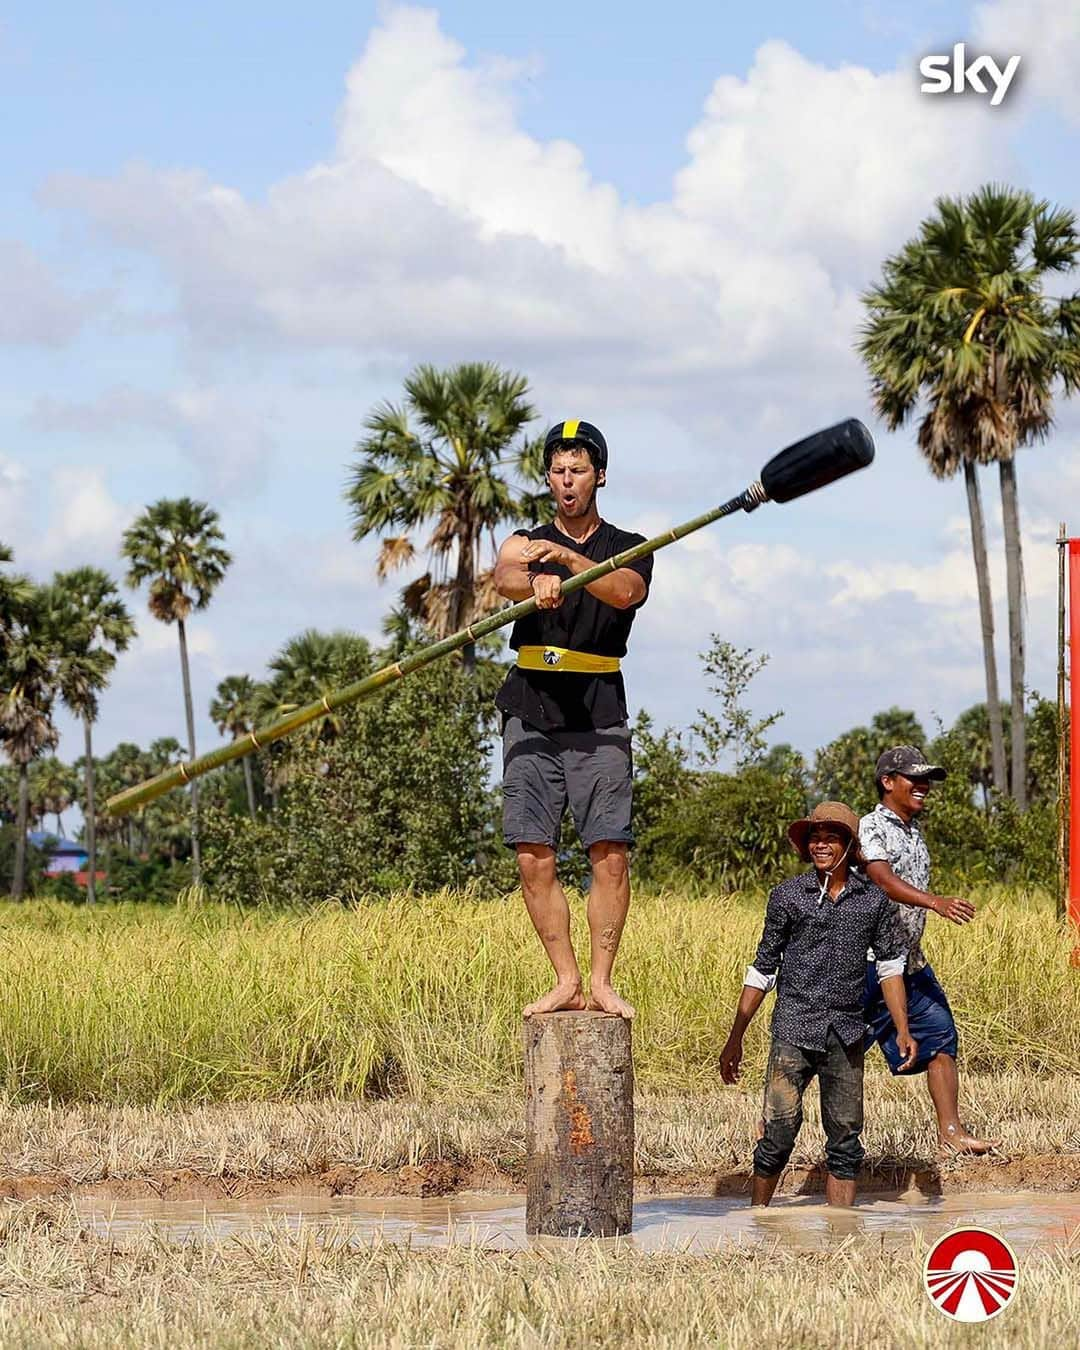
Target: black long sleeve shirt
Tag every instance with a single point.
(818, 945)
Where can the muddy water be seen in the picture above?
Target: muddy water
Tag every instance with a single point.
(689, 1223)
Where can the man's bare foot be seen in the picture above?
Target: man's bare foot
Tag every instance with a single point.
(563, 998)
(602, 998)
(955, 1139)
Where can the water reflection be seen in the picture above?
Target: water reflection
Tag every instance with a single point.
(668, 1223)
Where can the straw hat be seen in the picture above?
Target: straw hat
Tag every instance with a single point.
(825, 813)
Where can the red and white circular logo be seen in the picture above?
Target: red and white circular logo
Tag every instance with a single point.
(970, 1274)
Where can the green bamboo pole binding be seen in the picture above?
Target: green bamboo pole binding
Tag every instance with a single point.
(802, 467)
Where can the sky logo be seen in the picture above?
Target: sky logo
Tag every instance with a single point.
(952, 74)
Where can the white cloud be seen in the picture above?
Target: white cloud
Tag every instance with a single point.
(14, 481)
(225, 435)
(85, 521)
(1046, 36)
(440, 227)
(62, 518)
(35, 309)
(829, 164)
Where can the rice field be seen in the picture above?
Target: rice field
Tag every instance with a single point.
(195, 1045)
(420, 997)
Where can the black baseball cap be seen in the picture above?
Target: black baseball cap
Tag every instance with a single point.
(910, 761)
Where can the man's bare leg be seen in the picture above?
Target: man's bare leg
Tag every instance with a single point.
(609, 900)
(944, 1083)
(838, 1192)
(550, 913)
(761, 1190)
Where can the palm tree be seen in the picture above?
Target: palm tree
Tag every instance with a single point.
(178, 547)
(53, 787)
(971, 731)
(442, 458)
(27, 677)
(960, 326)
(15, 592)
(308, 666)
(233, 713)
(96, 626)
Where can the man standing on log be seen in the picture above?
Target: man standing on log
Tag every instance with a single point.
(566, 737)
(898, 861)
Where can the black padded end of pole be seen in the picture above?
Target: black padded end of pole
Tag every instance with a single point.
(818, 460)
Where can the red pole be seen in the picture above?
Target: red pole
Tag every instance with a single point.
(1074, 741)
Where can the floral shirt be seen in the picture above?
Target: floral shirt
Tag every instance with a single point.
(884, 837)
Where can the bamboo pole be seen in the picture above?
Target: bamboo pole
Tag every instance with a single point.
(180, 774)
(800, 468)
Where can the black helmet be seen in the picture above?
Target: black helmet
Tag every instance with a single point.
(566, 435)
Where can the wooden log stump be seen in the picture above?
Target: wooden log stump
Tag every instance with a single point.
(579, 1124)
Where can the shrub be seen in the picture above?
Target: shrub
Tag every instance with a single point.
(392, 797)
(728, 829)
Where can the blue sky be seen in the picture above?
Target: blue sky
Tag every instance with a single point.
(230, 230)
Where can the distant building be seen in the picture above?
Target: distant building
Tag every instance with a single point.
(63, 855)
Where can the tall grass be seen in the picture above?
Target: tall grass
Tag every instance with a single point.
(422, 996)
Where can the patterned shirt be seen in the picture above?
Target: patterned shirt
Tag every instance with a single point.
(819, 946)
(884, 837)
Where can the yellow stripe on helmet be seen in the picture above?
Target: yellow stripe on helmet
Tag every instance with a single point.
(569, 429)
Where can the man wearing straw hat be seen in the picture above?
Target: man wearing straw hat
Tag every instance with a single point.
(813, 951)
(566, 738)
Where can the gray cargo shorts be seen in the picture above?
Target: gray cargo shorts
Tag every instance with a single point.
(545, 770)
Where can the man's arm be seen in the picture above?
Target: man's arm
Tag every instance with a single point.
(890, 943)
(952, 907)
(621, 589)
(511, 569)
(760, 978)
(750, 1000)
(895, 996)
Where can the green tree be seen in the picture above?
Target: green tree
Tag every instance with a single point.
(736, 731)
(15, 593)
(28, 682)
(396, 799)
(96, 626)
(53, 787)
(232, 711)
(662, 772)
(306, 668)
(844, 769)
(178, 547)
(446, 458)
(728, 829)
(961, 329)
(971, 743)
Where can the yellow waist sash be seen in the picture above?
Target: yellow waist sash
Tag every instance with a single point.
(562, 658)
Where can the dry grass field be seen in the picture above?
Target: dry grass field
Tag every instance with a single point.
(375, 1048)
(61, 1285)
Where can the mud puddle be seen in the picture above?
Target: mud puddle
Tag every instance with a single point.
(696, 1224)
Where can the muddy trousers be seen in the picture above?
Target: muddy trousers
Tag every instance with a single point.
(839, 1070)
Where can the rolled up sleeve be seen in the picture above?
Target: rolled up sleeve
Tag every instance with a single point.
(756, 980)
(890, 943)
